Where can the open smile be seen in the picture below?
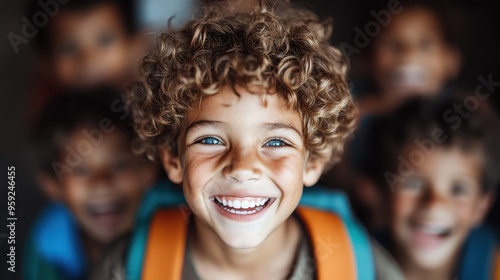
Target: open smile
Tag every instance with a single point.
(242, 208)
(429, 235)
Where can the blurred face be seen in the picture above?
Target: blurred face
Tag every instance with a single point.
(91, 47)
(243, 164)
(104, 191)
(411, 56)
(436, 207)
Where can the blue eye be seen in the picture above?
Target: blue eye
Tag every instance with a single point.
(275, 143)
(210, 141)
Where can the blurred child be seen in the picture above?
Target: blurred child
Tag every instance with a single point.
(437, 170)
(417, 53)
(86, 44)
(87, 169)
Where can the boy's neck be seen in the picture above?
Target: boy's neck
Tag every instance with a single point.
(273, 259)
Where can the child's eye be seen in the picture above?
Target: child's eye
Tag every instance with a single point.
(68, 49)
(122, 165)
(80, 171)
(106, 40)
(459, 189)
(210, 141)
(275, 143)
(413, 185)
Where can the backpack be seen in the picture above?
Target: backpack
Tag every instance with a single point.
(324, 212)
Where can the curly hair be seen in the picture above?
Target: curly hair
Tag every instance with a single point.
(285, 52)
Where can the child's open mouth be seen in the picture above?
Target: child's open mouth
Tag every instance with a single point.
(106, 212)
(241, 206)
(429, 235)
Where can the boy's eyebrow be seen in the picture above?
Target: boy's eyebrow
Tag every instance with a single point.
(202, 123)
(273, 126)
(267, 126)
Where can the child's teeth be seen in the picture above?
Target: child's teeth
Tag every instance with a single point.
(242, 203)
(236, 204)
(245, 204)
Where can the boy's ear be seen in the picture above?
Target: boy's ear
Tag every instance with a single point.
(49, 185)
(172, 165)
(313, 171)
(483, 207)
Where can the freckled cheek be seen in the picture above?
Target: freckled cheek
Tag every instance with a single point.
(198, 171)
(287, 172)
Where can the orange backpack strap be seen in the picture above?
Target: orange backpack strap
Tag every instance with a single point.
(332, 249)
(496, 265)
(164, 256)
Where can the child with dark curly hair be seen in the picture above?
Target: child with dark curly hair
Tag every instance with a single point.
(244, 109)
(437, 171)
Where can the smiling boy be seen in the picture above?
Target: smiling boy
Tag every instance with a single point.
(243, 110)
(441, 182)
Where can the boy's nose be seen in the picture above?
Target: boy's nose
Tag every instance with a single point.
(409, 53)
(89, 60)
(243, 166)
(101, 179)
(434, 201)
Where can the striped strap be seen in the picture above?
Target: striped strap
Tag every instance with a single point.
(332, 248)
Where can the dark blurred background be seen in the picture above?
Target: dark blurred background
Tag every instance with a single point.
(481, 56)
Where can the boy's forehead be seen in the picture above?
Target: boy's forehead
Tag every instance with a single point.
(415, 19)
(446, 160)
(243, 106)
(103, 15)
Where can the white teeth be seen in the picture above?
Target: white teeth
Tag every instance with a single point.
(245, 204)
(236, 204)
(432, 229)
(261, 201)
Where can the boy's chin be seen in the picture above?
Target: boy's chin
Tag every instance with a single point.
(243, 241)
(432, 258)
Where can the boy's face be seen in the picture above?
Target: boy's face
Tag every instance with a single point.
(104, 190)
(91, 47)
(411, 55)
(243, 164)
(435, 208)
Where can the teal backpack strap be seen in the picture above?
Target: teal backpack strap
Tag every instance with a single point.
(337, 202)
(478, 255)
(163, 195)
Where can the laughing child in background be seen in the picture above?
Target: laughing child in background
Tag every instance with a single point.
(83, 147)
(437, 171)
